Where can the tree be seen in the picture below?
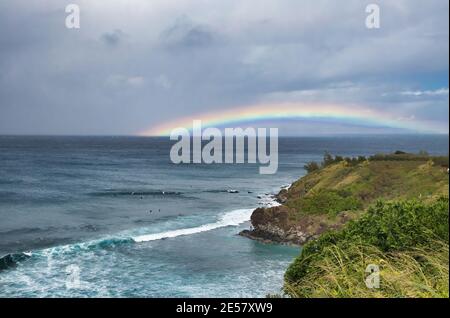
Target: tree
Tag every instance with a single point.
(311, 166)
(327, 159)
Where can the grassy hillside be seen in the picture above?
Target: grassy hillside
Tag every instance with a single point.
(354, 184)
(396, 217)
(341, 189)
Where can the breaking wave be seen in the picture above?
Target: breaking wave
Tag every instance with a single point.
(11, 260)
(115, 193)
(232, 218)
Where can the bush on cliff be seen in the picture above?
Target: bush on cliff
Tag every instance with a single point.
(407, 239)
(311, 166)
(422, 156)
(328, 201)
(442, 161)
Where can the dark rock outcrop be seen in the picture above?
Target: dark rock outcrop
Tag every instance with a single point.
(273, 225)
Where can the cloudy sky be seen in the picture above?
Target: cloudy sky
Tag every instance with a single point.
(135, 64)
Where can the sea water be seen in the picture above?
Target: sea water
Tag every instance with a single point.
(113, 217)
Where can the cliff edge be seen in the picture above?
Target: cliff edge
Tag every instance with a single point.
(341, 189)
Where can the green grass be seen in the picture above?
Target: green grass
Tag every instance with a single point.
(417, 273)
(329, 201)
(342, 186)
(407, 239)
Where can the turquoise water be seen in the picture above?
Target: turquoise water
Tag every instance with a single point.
(112, 217)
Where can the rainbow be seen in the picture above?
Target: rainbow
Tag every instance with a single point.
(349, 114)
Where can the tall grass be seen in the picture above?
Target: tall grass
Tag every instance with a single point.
(407, 240)
(417, 273)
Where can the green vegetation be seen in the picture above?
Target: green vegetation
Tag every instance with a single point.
(329, 201)
(329, 160)
(311, 166)
(398, 155)
(417, 273)
(408, 240)
(387, 209)
(353, 184)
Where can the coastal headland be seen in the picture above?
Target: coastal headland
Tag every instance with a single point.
(341, 189)
(387, 212)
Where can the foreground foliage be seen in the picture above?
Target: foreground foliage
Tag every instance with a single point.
(408, 240)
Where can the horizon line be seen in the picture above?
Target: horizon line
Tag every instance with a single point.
(167, 136)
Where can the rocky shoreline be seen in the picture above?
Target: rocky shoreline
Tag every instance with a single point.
(266, 238)
(273, 226)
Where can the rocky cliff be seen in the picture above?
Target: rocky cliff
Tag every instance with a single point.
(272, 225)
(327, 198)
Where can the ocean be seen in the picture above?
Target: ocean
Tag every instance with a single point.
(113, 217)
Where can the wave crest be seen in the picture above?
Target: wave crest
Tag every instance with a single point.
(11, 260)
(232, 218)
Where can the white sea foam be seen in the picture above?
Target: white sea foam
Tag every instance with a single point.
(232, 218)
(268, 201)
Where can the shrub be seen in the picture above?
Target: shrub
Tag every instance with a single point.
(328, 201)
(403, 156)
(440, 161)
(362, 158)
(388, 227)
(311, 166)
(327, 159)
(338, 159)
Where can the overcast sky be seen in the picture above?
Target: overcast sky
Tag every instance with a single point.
(136, 63)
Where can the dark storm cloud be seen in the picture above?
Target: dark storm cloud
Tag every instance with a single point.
(185, 33)
(112, 38)
(131, 66)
